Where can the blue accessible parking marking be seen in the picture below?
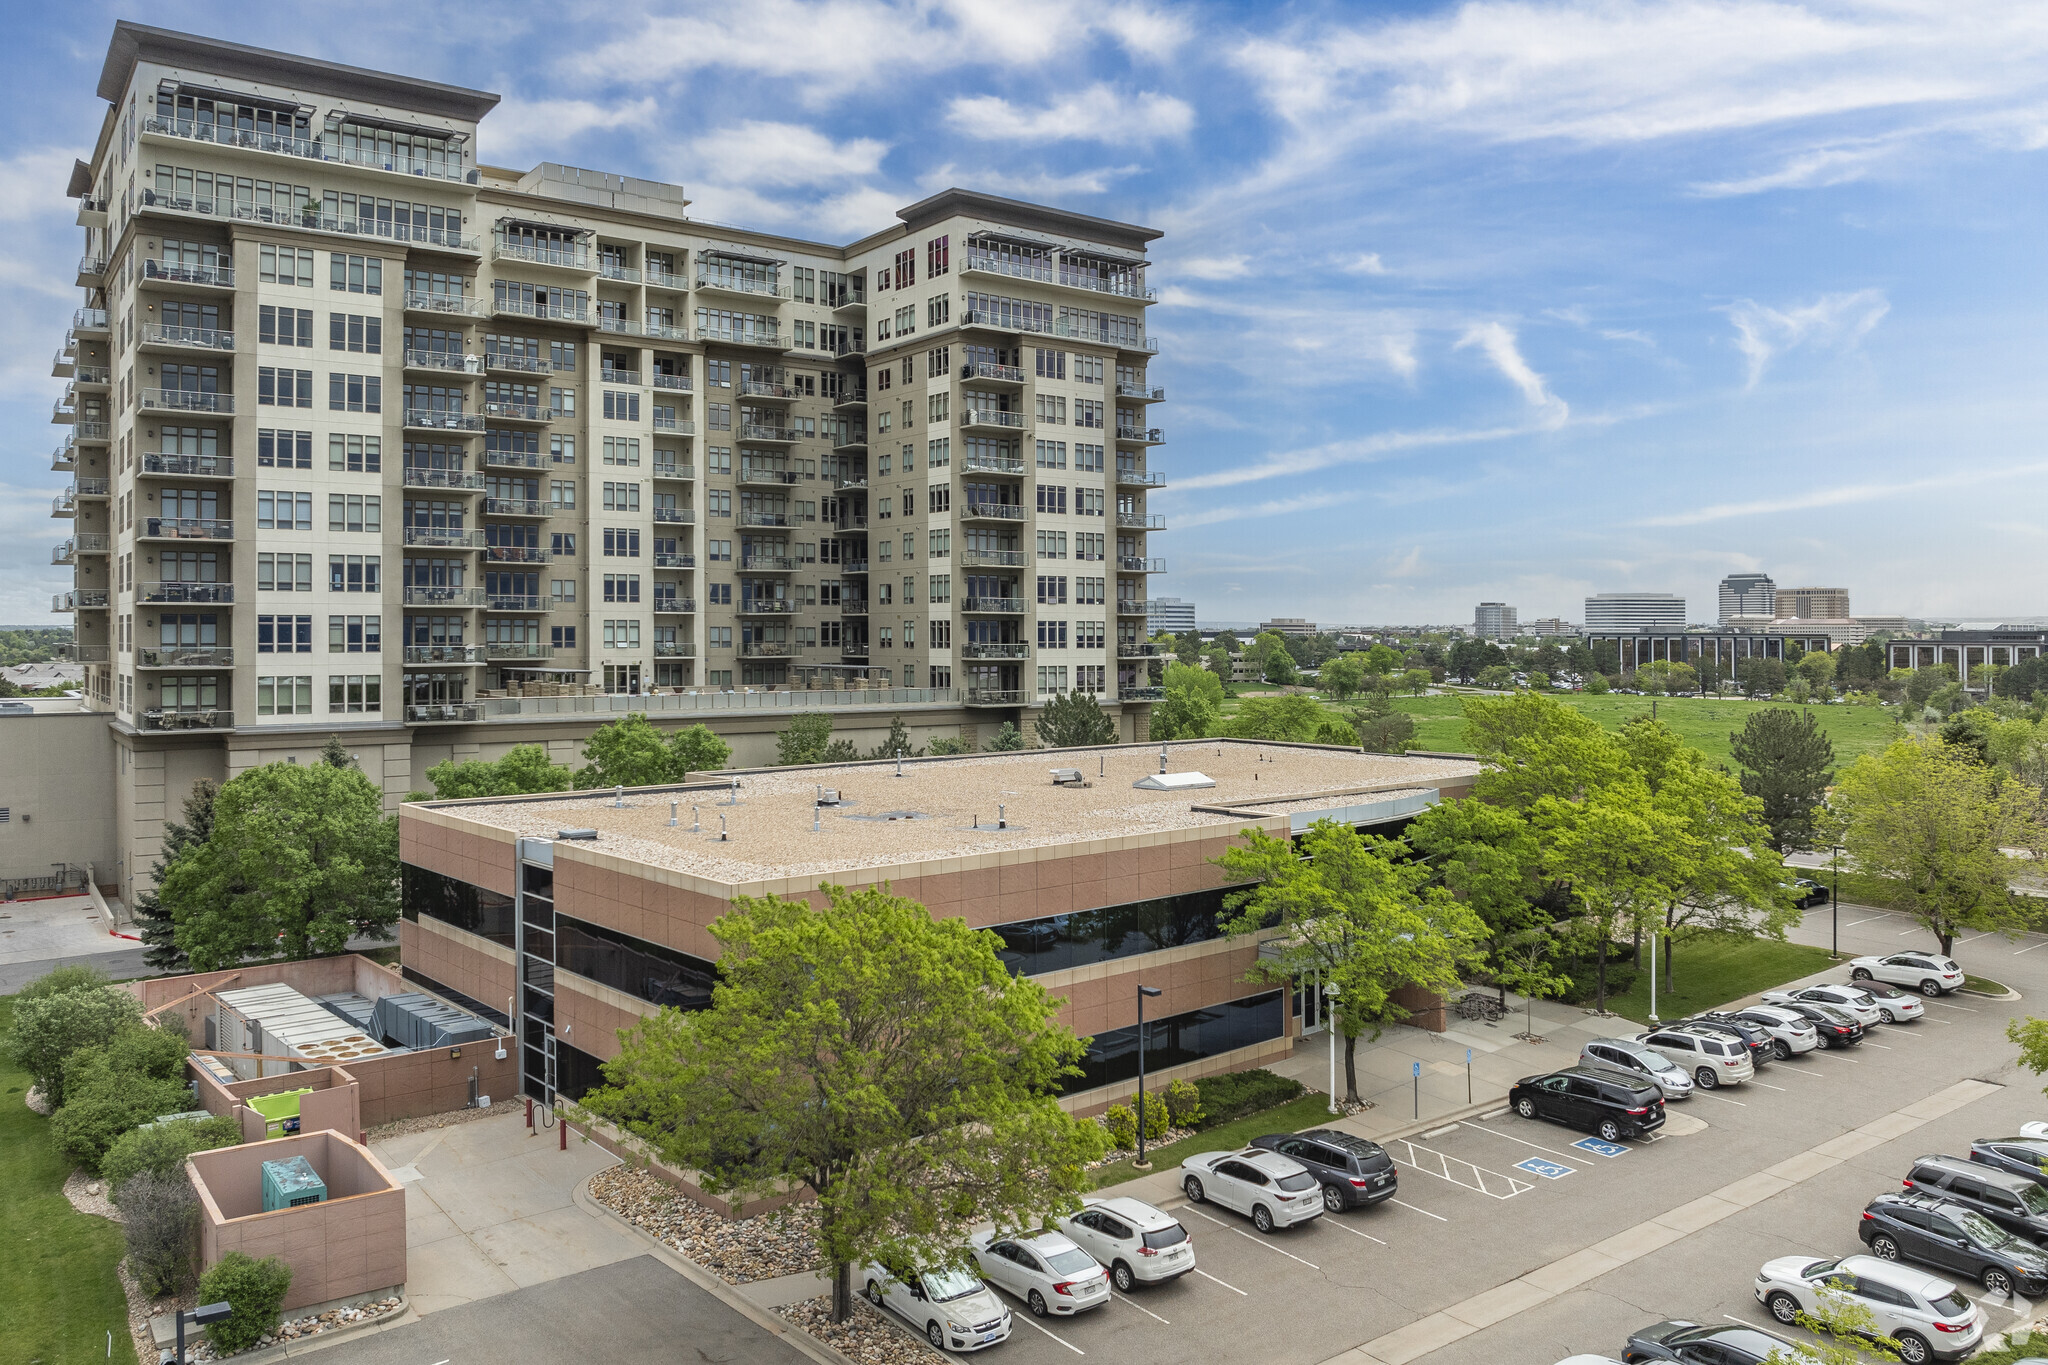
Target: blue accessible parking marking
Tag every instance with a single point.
(1549, 1170)
(1599, 1148)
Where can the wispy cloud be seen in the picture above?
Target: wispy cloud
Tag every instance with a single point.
(1214, 267)
(522, 129)
(1098, 114)
(1498, 344)
(1364, 263)
(1830, 322)
(1808, 170)
(1048, 186)
(1843, 495)
(1361, 451)
(764, 153)
(1277, 507)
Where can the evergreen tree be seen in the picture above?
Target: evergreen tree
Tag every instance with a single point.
(335, 754)
(159, 931)
(1007, 738)
(898, 742)
(1073, 721)
(1787, 763)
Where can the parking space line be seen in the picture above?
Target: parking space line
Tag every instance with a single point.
(1863, 921)
(1444, 1173)
(1768, 1086)
(1225, 1283)
(1964, 1008)
(1903, 932)
(1932, 1020)
(1141, 1308)
(1879, 1046)
(1327, 1221)
(1255, 1241)
(1524, 1141)
(2042, 944)
(1706, 1095)
(1060, 1339)
(1795, 1071)
(1425, 1212)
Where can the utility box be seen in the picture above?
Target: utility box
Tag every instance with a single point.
(280, 1111)
(290, 1183)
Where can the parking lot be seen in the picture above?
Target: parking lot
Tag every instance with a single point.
(1513, 1240)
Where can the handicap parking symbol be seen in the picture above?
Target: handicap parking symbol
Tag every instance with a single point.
(1599, 1148)
(1549, 1170)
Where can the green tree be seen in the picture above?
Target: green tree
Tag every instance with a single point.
(1817, 668)
(1289, 718)
(940, 745)
(898, 742)
(1007, 739)
(1382, 660)
(1192, 704)
(162, 1148)
(522, 769)
(627, 752)
(1597, 685)
(1280, 669)
(1681, 679)
(1072, 721)
(805, 740)
(1496, 676)
(696, 749)
(1760, 677)
(886, 1061)
(158, 930)
(48, 1029)
(1787, 763)
(108, 1090)
(1846, 1329)
(1620, 858)
(1538, 746)
(1923, 683)
(254, 1289)
(1936, 825)
(1187, 647)
(1343, 676)
(335, 754)
(1379, 727)
(1356, 911)
(1487, 857)
(301, 860)
(1417, 681)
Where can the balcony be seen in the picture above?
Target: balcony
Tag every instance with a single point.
(1139, 478)
(678, 383)
(768, 649)
(89, 320)
(666, 604)
(618, 326)
(86, 543)
(517, 459)
(91, 488)
(518, 601)
(90, 269)
(853, 606)
(429, 596)
(991, 696)
(674, 471)
(62, 363)
(187, 528)
(993, 559)
(512, 412)
(1001, 320)
(678, 426)
(444, 654)
(608, 269)
(993, 606)
(455, 480)
(443, 362)
(196, 718)
(1131, 606)
(520, 364)
(1140, 521)
(979, 372)
(763, 476)
(1134, 649)
(1133, 564)
(65, 504)
(186, 656)
(662, 561)
(612, 376)
(756, 388)
(186, 592)
(518, 649)
(1017, 649)
(308, 148)
(854, 566)
(993, 464)
(158, 337)
(674, 649)
(83, 654)
(778, 435)
(676, 516)
(101, 432)
(766, 606)
(447, 305)
(444, 538)
(764, 519)
(93, 377)
(1139, 436)
(64, 458)
(64, 411)
(80, 599)
(443, 712)
(724, 282)
(545, 312)
(854, 649)
(992, 511)
(667, 279)
(1140, 693)
(666, 331)
(733, 336)
(767, 563)
(1141, 393)
(517, 554)
(574, 257)
(851, 484)
(853, 400)
(855, 438)
(187, 400)
(517, 507)
(199, 276)
(1008, 421)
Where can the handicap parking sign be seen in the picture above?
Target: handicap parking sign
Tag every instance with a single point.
(1599, 1148)
(1549, 1170)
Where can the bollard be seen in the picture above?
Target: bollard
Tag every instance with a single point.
(529, 1115)
(563, 1124)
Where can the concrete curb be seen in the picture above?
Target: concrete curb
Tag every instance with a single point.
(2010, 994)
(285, 1349)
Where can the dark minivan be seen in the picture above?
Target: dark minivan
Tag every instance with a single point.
(1355, 1171)
(1593, 1098)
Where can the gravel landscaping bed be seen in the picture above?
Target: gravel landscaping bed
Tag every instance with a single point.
(384, 1132)
(867, 1336)
(739, 1252)
(298, 1329)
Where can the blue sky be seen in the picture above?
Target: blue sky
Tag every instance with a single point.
(1459, 301)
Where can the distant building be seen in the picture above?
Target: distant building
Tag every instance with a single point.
(1813, 603)
(1614, 611)
(1748, 594)
(1494, 621)
(1288, 625)
(1169, 614)
(1550, 625)
(1896, 625)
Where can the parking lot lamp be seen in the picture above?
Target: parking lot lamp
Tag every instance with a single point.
(1141, 1164)
(1653, 977)
(1835, 902)
(204, 1315)
(1330, 1023)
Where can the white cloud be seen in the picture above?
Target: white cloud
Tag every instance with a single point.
(1359, 451)
(1097, 114)
(763, 153)
(1808, 170)
(1498, 345)
(1040, 185)
(1214, 267)
(1833, 321)
(1276, 507)
(1408, 565)
(521, 127)
(1843, 495)
(1365, 263)
(32, 185)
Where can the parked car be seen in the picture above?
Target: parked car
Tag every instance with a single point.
(953, 1309)
(1927, 973)
(1851, 1000)
(1711, 1057)
(1597, 1099)
(1791, 1033)
(1762, 1049)
(1728, 1344)
(1807, 893)
(1622, 1055)
(1272, 1190)
(1834, 1028)
(1918, 1227)
(1045, 1269)
(1354, 1171)
(2027, 1156)
(1589, 1360)
(1134, 1242)
(1926, 1315)
(2015, 1202)
(1898, 1006)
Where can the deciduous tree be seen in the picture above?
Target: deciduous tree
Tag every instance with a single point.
(1290, 718)
(1192, 705)
(627, 752)
(1343, 676)
(805, 739)
(522, 769)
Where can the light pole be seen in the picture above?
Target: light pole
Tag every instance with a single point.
(1141, 1164)
(1330, 1022)
(1653, 977)
(1835, 901)
(203, 1315)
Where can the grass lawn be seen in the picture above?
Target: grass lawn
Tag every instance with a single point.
(1703, 722)
(1310, 1111)
(59, 1298)
(1712, 972)
(1984, 984)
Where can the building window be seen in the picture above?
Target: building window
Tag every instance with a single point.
(284, 696)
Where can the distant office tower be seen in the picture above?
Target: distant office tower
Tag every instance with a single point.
(1812, 603)
(1288, 625)
(1494, 621)
(1169, 614)
(1635, 611)
(1748, 594)
(1549, 625)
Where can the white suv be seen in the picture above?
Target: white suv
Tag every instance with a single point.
(1926, 1315)
(1272, 1190)
(1135, 1242)
(1713, 1058)
(1926, 973)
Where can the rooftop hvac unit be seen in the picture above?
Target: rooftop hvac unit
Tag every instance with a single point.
(290, 1183)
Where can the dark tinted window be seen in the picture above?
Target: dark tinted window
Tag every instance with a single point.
(1112, 1228)
(1951, 1304)
(1296, 1183)
(1113, 1054)
(539, 881)
(472, 908)
(1166, 1237)
(1030, 947)
(655, 974)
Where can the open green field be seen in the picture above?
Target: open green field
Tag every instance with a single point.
(1711, 972)
(59, 1298)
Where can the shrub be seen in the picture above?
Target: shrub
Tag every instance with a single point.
(254, 1289)
(1336, 732)
(1184, 1103)
(1585, 979)
(160, 1222)
(162, 1150)
(1122, 1126)
(948, 744)
(1597, 686)
(1235, 1094)
(106, 1105)
(74, 978)
(50, 1028)
(1156, 1115)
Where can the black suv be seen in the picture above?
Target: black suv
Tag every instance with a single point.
(1597, 1099)
(1920, 1227)
(1807, 893)
(1762, 1047)
(1355, 1171)
(2020, 1155)
(2014, 1202)
(1697, 1345)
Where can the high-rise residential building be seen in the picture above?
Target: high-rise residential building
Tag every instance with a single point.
(1606, 611)
(371, 436)
(1748, 594)
(1813, 603)
(1494, 621)
(1169, 614)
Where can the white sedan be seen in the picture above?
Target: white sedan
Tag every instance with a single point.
(1135, 1242)
(1045, 1269)
(1898, 1006)
(1851, 1000)
(951, 1307)
(1272, 1190)
(1927, 973)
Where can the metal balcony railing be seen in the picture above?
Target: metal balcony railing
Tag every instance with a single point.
(680, 426)
(740, 284)
(566, 256)
(1133, 649)
(1140, 521)
(990, 696)
(546, 312)
(995, 650)
(459, 305)
(173, 272)
(854, 439)
(1132, 564)
(1131, 606)
(1143, 436)
(517, 601)
(447, 362)
(676, 516)
(187, 400)
(187, 338)
(92, 431)
(431, 712)
(670, 604)
(430, 596)
(853, 606)
(987, 418)
(517, 507)
(514, 412)
(1003, 606)
(768, 649)
(517, 649)
(1140, 478)
(674, 471)
(999, 374)
(678, 382)
(516, 459)
(84, 654)
(734, 336)
(613, 270)
(517, 554)
(751, 432)
(454, 479)
(443, 419)
(852, 398)
(196, 718)
(993, 511)
(1140, 693)
(186, 592)
(94, 376)
(607, 322)
(444, 654)
(768, 563)
(667, 561)
(186, 656)
(1001, 559)
(993, 464)
(89, 320)
(611, 376)
(674, 649)
(1141, 393)
(187, 528)
(666, 279)
(442, 537)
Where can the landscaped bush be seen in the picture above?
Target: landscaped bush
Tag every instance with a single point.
(162, 1150)
(1122, 1126)
(1585, 978)
(57, 982)
(1235, 1094)
(160, 1221)
(1184, 1103)
(111, 1088)
(254, 1289)
(1155, 1113)
(50, 1027)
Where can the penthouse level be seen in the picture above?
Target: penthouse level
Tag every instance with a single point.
(595, 911)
